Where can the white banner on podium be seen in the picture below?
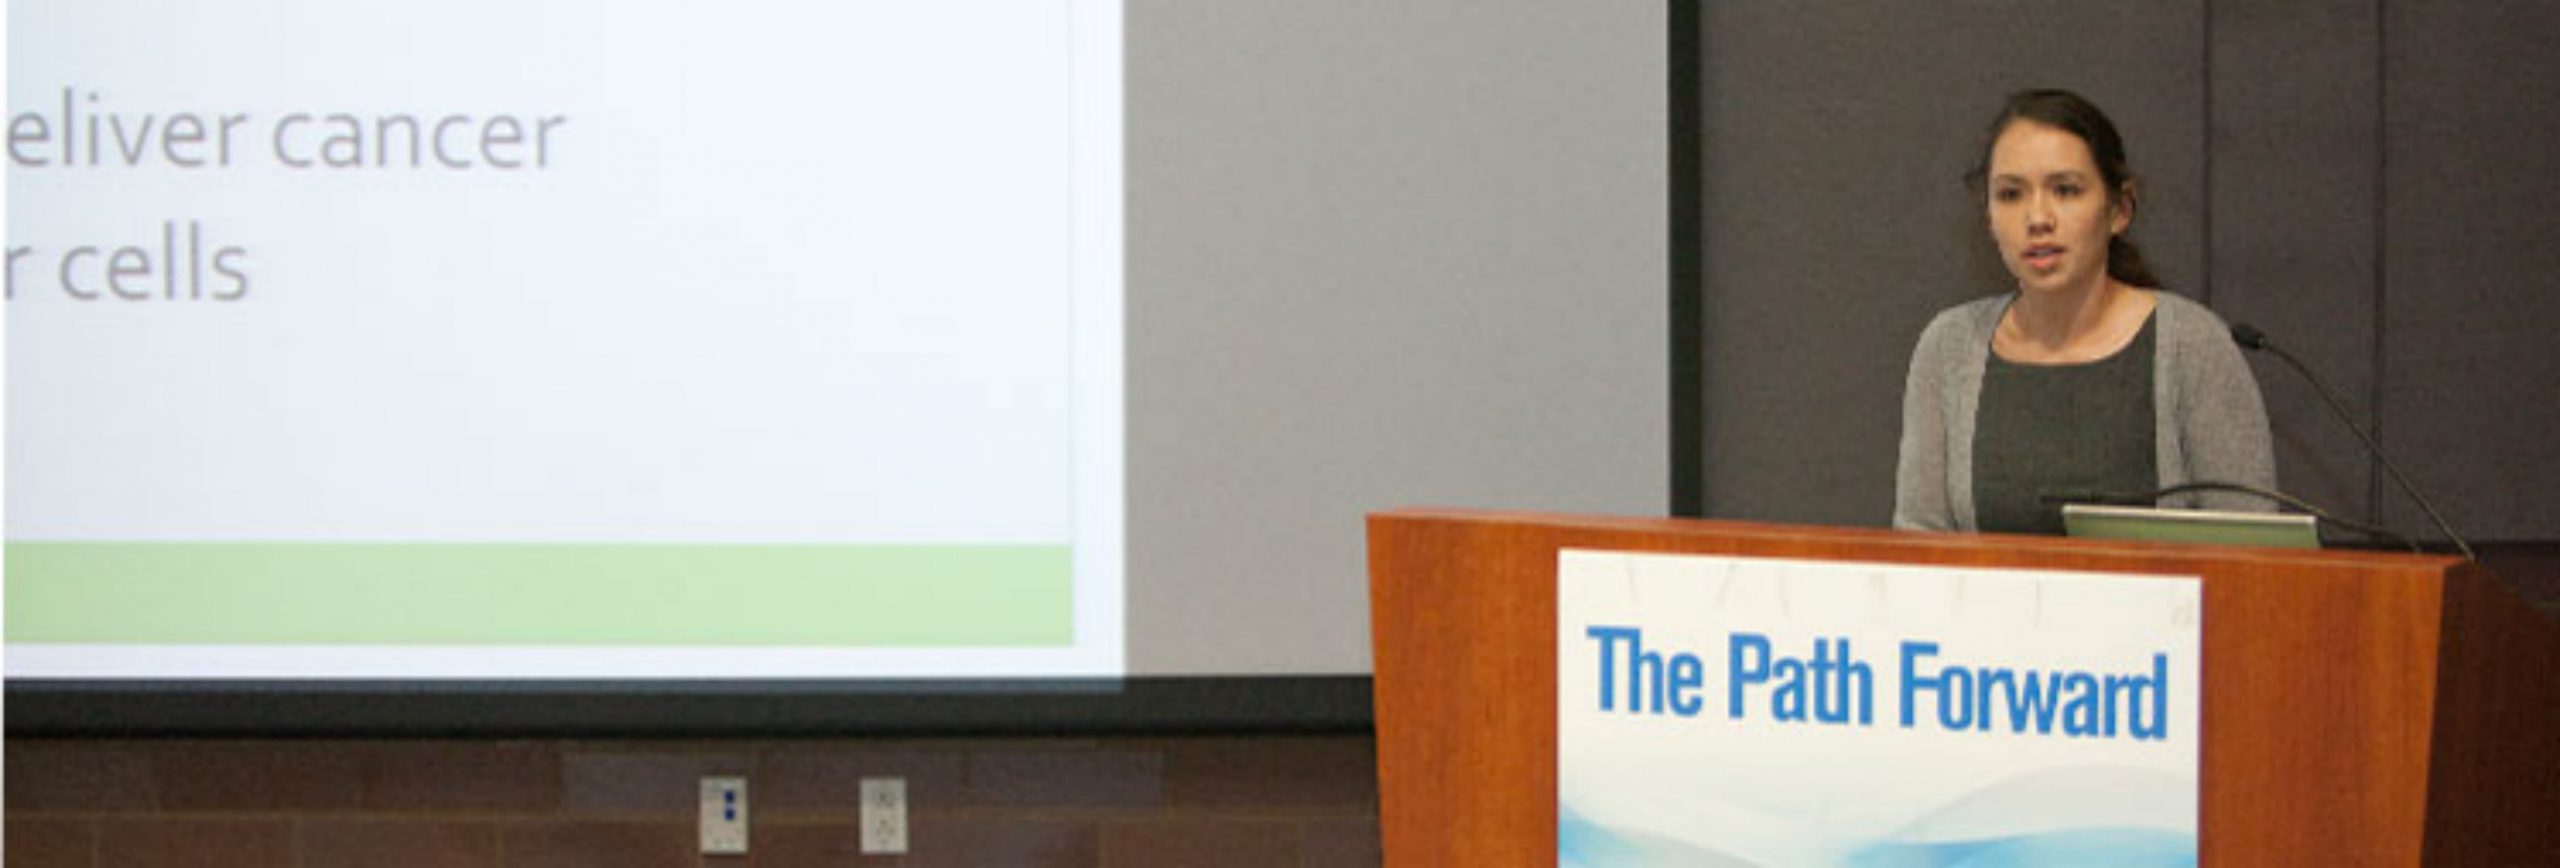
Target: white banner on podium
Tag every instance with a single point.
(1753, 711)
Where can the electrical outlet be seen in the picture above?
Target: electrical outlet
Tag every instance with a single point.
(724, 816)
(884, 815)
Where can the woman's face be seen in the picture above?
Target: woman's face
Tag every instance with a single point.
(2049, 208)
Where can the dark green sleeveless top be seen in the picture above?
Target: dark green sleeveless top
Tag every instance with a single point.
(2043, 431)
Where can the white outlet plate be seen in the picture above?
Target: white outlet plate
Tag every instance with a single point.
(884, 815)
(724, 816)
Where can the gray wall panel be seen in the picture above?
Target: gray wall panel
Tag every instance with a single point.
(2296, 181)
(1379, 255)
(2470, 400)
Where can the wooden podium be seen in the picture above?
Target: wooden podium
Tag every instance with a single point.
(2359, 708)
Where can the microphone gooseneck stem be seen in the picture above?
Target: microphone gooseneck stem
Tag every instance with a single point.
(2259, 341)
(2299, 505)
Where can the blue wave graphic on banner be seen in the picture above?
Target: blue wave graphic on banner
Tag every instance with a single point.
(2083, 816)
(1582, 843)
(1585, 844)
(2124, 848)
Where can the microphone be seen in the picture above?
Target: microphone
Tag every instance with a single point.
(2249, 337)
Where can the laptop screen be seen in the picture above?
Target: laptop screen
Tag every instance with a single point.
(2263, 529)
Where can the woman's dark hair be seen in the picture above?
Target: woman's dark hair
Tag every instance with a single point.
(2071, 113)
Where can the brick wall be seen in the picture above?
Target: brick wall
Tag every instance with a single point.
(1227, 801)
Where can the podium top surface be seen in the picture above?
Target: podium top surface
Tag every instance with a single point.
(1912, 545)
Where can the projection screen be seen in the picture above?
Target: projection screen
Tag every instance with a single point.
(564, 340)
(504, 367)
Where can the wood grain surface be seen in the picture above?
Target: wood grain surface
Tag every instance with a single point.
(2359, 708)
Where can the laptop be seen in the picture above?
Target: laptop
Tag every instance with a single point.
(2262, 529)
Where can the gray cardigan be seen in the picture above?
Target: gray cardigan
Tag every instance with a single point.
(2212, 424)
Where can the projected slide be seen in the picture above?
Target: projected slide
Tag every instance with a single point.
(560, 339)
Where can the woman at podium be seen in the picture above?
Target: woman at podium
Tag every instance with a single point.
(2086, 381)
